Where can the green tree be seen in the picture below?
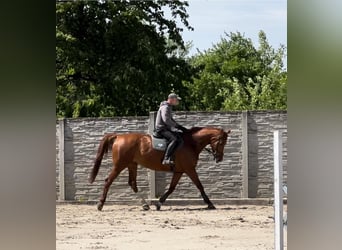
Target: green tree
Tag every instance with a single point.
(118, 57)
(235, 75)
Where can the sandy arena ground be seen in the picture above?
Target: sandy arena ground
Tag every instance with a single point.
(177, 227)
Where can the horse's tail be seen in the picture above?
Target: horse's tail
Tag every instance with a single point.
(106, 143)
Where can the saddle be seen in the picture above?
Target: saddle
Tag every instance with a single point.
(158, 142)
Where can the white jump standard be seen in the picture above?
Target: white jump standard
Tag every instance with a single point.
(278, 191)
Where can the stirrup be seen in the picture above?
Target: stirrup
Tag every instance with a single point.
(168, 162)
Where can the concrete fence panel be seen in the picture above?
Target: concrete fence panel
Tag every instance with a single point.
(245, 172)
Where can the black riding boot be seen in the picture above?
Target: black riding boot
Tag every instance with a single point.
(169, 153)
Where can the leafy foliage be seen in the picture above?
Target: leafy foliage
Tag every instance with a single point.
(234, 75)
(116, 58)
(113, 58)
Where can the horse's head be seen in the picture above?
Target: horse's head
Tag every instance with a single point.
(217, 142)
(216, 137)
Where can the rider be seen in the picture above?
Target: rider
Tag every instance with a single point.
(168, 128)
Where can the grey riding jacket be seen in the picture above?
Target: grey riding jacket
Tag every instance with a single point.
(164, 120)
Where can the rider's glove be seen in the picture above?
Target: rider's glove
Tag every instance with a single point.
(180, 127)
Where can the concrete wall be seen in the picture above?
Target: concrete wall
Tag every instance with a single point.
(261, 125)
(228, 179)
(82, 137)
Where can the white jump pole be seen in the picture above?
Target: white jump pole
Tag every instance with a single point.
(278, 191)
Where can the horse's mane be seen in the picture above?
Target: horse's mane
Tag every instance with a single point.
(195, 129)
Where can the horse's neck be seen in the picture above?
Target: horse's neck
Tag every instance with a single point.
(202, 141)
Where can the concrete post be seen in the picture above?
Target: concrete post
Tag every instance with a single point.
(61, 160)
(244, 120)
(152, 180)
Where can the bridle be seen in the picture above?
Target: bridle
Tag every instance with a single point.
(214, 152)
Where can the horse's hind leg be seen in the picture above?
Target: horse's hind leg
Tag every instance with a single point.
(132, 181)
(132, 176)
(108, 181)
(175, 179)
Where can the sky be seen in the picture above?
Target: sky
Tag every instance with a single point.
(211, 18)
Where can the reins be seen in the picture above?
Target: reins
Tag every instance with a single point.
(213, 152)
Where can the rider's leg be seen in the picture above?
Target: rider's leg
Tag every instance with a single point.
(173, 142)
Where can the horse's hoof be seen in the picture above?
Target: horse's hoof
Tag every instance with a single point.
(99, 206)
(146, 207)
(158, 205)
(211, 206)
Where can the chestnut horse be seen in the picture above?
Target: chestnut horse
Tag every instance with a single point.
(129, 150)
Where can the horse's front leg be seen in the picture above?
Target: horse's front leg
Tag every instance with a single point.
(194, 177)
(175, 179)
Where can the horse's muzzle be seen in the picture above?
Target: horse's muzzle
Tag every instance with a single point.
(218, 160)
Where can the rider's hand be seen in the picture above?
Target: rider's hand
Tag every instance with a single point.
(180, 127)
(176, 130)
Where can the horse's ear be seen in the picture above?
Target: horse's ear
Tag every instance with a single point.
(229, 131)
